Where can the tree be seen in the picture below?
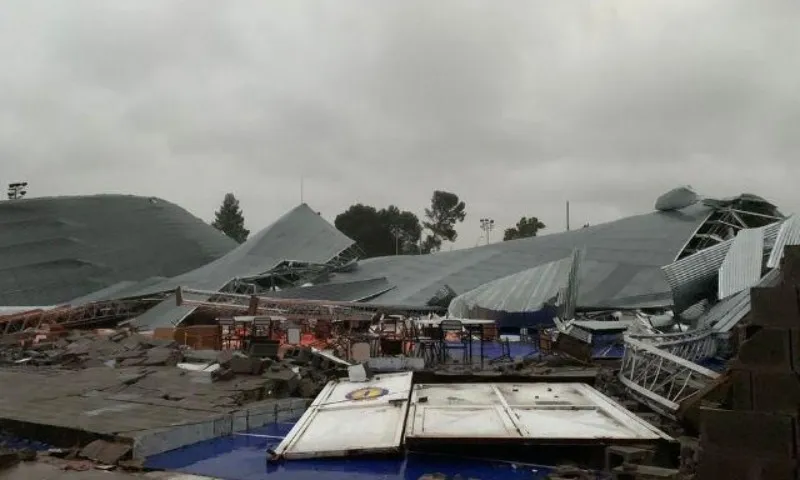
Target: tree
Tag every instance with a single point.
(526, 227)
(387, 231)
(446, 210)
(230, 220)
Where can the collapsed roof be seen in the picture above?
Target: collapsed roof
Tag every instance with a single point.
(58, 248)
(620, 267)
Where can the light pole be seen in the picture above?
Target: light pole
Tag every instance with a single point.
(487, 225)
(397, 233)
(17, 190)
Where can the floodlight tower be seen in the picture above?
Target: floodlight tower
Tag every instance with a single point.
(487, 225)
(17, 190)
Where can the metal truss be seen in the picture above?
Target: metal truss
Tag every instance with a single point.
(724, 223)
(292, 273)
(660, 379)
(693, 346)
(76, 317)
(261, 305)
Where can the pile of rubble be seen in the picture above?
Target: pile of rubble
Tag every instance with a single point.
(302, 372)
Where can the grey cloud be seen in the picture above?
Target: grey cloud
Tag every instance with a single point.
(517, 105)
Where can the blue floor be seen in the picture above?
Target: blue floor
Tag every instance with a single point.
(494, 350)
(16, 443)
(242, 457)
(718, 365)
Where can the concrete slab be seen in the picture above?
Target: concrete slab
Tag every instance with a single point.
(154, 409)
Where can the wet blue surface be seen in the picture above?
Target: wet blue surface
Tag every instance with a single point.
(243, 457)
(716, 364)
(603, 346)
(15, 443)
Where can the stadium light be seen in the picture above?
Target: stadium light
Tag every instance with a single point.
(17, 190)
(487, 225)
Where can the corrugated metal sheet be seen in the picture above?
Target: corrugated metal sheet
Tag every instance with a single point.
(299, 235)
(573, 284)
(742, 266)
(789, 234)
(621, 268)
(53, 250)
(691, 277)
(526, 291)
(726, 314)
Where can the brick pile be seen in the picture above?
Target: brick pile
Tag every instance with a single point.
(758, 435)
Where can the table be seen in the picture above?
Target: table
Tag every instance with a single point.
(471, 325)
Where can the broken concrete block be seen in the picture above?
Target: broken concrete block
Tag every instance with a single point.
(756, 432)
(132, 362)
(617, 455)
(241, 364)
(644, 472)
(162, 356)
(8, 459)
(775, 306)
(223, 358)
(740, 464)
(108, 453)
(570, 472)
(767, 348)
(223, 374)
(308, 388)
(286, 380)
(27, 455)
(775, 392)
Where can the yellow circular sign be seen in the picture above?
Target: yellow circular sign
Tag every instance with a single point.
(368, 393)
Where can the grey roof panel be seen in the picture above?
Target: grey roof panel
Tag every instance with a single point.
(165, 314)
(789, 234)
(56, 249)
(299, 235)
(741, 268)
(725, 315)
(617, 253)
(690, 276)
(526, 291)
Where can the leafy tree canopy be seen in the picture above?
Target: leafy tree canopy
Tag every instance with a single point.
(526, 227)
(380, 232)
(446, 210)
(230, 220)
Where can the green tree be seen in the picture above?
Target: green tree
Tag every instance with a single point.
(380, 232)
(526, 227)
(446, 210)
(230, 220)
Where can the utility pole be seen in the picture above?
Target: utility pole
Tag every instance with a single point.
(487, 225)
(397, 233)
(568, 215)
(17, 190)
(301, 191)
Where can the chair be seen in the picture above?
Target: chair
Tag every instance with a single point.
(426, 344)
(530, 336)
(457, 328)
(505, 351)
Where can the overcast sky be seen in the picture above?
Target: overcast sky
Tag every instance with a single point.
(516, 106)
